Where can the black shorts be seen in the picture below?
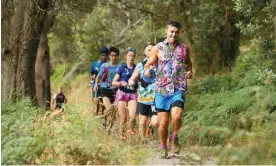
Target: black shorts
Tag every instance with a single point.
(144, 109)
(98, 94)
(59, 105)
(109, 93)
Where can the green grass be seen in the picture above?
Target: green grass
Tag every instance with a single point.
(29, 136)
(232, 116)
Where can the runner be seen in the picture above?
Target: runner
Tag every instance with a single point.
(59, 100)
(145, 105)
(95, 67)
(105, 78)
(126, 96)
(174, 67)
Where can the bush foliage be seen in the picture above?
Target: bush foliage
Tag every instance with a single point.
(30, 136)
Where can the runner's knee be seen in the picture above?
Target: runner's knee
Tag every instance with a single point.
(164, 123)
(176, 118)
(154, 123)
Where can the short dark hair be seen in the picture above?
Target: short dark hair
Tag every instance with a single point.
(114, 49)
(149, 44)
(104, 50)
(173, 23)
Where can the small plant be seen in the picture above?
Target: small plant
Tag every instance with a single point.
(31, 136)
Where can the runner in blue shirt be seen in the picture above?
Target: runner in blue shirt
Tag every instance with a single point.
(95, 67)
(105, 78)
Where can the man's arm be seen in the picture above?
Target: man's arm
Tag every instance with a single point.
(100, 74)
(97, 81)
(188, 64)
(92, 72)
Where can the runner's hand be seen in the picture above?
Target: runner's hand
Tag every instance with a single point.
(131, 82)
(123, 83)
(96, 88)
(92, 78)
(147, 73)
(189, 74)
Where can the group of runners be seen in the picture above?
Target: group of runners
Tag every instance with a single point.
(161, 90)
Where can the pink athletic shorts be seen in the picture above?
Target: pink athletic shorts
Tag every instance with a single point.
(122, 96)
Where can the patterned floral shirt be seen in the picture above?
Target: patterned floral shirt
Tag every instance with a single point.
(171, 66)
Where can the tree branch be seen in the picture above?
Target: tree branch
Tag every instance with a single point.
(136, 8)
(129, 26)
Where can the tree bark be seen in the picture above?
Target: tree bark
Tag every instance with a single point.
(42, 67)
(18, 60)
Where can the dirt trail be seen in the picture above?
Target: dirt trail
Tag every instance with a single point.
(154, 160)
(184, 158)
(81, 94)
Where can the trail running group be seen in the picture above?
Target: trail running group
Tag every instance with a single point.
(161, 90)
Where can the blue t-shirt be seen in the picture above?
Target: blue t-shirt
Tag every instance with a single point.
(107, 74)
(125, 73)
(94, 70)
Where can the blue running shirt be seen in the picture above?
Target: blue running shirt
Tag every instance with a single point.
(107, 74)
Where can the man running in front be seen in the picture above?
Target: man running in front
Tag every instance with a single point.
(174, 67)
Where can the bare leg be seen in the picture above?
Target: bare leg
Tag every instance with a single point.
(123, 116)
(154, 121)
(176, 113)
(148, 128)
(132, 114)
(107, 104)
(163, 118)
(96, 101)
(142, 126)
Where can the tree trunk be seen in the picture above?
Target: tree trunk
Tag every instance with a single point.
(42, 67)
(19, 57)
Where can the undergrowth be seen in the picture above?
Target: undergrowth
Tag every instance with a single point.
(30, 136)
(233, 115)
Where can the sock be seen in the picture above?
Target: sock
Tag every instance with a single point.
(163, 146)
(174, 135)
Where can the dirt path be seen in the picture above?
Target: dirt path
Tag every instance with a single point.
(184, 158)
(154, 160)
(81, 94)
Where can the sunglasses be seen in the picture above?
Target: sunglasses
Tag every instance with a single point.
(131, 49)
